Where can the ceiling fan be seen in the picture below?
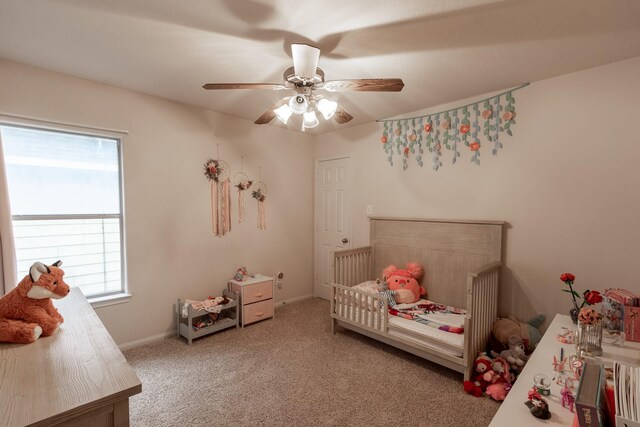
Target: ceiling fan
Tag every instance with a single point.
(305, 78)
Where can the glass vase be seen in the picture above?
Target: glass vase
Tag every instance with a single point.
(574, 315)
(590, 339)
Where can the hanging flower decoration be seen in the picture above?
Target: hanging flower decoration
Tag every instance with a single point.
(471, 125)
(258, 195)
(243, 185)
(217, 172)
(242, 182)
(213, 169)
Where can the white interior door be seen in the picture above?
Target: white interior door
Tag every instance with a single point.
(332, 218)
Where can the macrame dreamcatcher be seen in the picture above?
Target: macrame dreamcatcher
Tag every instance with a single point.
(217, 171)
(242, 182)
(260, 194)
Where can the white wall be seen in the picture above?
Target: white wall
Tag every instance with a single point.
(171, 252)
(566, 182)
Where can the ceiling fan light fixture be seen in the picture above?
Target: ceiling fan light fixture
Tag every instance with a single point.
(283, 113)
(298, 104)
(305, 60)
(327, 107)
(310, 119)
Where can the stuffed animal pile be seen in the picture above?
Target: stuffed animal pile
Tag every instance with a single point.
(27, 312)
(510, 344)
(492, 376)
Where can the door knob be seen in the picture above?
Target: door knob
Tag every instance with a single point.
(345, 240)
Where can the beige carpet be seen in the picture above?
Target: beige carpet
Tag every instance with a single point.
(293, 371)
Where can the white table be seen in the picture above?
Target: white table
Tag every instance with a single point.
(513, 411)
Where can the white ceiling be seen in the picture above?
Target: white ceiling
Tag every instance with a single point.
(443, 50)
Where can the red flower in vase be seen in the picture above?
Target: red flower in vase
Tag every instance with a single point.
(567, 277)
(592, 297)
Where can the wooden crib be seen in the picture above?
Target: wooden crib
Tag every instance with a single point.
(462, 262)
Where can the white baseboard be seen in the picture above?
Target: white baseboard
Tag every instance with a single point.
(165, 335)
(147, 340)
(290, 300)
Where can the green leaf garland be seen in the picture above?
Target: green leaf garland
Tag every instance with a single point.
(471, 126)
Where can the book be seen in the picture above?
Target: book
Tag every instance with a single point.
(612, 314)
(621, 312)
(591, 400)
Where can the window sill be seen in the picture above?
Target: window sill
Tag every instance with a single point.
(97, 302)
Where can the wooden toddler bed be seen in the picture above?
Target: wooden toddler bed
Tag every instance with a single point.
(462, 262)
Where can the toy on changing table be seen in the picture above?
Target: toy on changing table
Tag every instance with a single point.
(241, 274)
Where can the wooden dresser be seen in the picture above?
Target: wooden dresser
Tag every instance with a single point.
(256, 298)
(76, 377)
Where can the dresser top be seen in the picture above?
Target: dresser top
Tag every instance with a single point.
(258, 278)
(64, 373)
(513, 411)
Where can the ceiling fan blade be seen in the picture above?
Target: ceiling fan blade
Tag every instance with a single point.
(341, 116)
(365, 85)
(305, 60)
(269, 115)
(215, 86)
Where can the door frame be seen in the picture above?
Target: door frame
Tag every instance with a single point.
(316, 164)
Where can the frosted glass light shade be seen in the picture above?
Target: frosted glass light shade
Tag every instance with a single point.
(283, 113)
(305, 60)
(310, 119)
(298, 104)
(327, 107)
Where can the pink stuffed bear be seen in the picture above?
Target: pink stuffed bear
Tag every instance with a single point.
(404, 283)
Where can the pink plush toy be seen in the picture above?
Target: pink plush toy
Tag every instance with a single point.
(405, 283)
(498, 391)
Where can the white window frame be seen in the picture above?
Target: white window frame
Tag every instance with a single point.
(123, 295)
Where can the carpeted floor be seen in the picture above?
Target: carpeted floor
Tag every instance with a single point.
(293, 371)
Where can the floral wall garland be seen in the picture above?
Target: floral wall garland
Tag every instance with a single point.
(469, 127)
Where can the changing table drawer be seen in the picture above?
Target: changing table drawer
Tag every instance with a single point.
(257, 292)
(258, 311)
(256, 298)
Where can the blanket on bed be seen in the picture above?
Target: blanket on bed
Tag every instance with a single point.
(439, 316)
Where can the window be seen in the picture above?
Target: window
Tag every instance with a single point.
(65, 191)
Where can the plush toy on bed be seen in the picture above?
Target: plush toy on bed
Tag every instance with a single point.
(26, 312)
(405, 283)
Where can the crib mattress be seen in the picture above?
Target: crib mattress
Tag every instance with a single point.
(456, 341)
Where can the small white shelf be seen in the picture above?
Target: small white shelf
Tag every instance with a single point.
(228, 318)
